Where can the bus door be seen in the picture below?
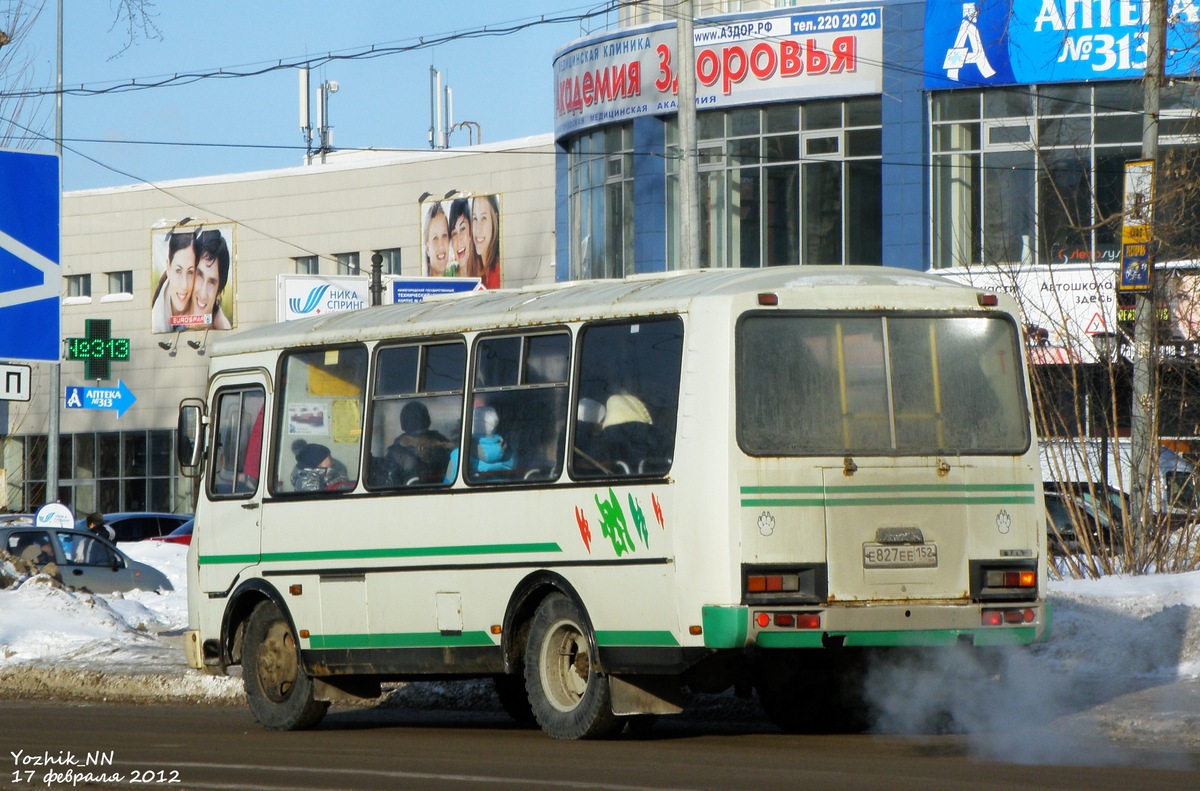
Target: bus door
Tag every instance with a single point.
(229, 518)
(896, 531)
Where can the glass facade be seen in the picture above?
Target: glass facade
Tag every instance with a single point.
(779, 184)
(103, 471)
(1036, 173)
(786, 184)
(600, 195)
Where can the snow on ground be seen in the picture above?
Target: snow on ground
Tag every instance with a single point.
(1122, 664)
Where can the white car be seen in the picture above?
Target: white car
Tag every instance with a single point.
(85, 560)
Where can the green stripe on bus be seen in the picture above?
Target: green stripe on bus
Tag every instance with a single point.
(877, 501)
(902, 494)
(892, 487)
(626, 637)
(401, 640)
(382, 552)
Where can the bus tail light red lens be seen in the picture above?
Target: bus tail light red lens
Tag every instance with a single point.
(788, 620)
(1002, 617)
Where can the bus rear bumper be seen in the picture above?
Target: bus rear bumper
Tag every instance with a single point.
(877, 625)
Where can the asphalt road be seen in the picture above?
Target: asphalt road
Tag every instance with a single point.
(221, 747)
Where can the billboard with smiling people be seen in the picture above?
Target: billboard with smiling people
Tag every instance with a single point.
(460, 237)
(192, 277)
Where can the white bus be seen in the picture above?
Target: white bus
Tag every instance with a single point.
(605, 495)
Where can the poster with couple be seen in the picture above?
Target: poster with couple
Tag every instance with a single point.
(460, 237)
(192, 277)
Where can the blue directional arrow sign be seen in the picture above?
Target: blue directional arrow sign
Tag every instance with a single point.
(30, 276)
(119, 398)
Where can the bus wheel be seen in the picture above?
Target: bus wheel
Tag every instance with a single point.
(570, 700)
(280, 693)
(510, 689)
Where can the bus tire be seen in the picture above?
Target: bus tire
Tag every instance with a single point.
(510, 689)
(570, 700)
(280, 693)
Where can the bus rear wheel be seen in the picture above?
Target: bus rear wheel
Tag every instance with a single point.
(280, 693)
(570, 700)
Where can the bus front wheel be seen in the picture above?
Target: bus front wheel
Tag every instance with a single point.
(570, 700)
(280, 693)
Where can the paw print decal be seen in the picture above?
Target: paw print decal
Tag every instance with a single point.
(1003, 522)
(766, 523)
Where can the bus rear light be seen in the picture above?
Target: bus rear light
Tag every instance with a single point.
(788, 620)
(999, 578)
(808, 620)
(988, 300)
(768, 299)
(1001, 617)
(772, 583)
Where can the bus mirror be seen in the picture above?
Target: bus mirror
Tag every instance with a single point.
(189, 434)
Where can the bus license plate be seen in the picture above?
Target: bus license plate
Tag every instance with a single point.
(899, 556)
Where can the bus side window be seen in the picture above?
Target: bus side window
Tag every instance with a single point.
(520, 408)
(628, 398)
(238, 451)
(416, 413)
(322, 394)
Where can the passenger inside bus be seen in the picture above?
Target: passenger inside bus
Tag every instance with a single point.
(316, 470)
(628, 438)
(420, 454)
(489, 453)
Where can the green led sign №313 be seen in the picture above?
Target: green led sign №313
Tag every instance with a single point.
(98, 349)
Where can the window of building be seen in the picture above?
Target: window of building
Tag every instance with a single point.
(600, 199)
(391, 260)
(785, 184)
(106, 472)
(1036, 173)
(347, 263)
(307, 265)
(120, 282)
(79, 285)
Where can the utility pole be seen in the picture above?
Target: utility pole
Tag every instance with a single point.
(52, 461)
(1144, 426)
(689, 170)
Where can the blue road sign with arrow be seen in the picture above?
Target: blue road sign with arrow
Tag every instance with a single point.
(30, 276)
(119, 398)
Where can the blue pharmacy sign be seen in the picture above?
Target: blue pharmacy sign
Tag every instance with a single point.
(1016, 42)
(30, 273)
(118, 398)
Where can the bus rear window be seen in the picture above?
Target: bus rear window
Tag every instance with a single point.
(871, 384)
